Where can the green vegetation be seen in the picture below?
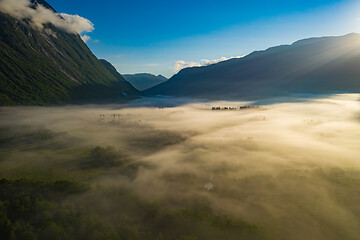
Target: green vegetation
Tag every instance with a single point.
(39, 67)
(31, 209)
(52, 195)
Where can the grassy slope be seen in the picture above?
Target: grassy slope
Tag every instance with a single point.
(42, 68)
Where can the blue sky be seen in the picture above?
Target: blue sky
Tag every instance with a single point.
(154, 36)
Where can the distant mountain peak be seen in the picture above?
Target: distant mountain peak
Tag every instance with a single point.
(144, 81)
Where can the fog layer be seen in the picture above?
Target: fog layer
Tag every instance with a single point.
(291, 167)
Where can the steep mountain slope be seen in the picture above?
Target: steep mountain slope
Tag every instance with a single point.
(317, 65)
(144, 81)
(50, 65)
(126, 86)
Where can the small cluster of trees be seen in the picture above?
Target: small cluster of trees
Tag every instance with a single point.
(247, 107)
(223, 108)
(234, 108)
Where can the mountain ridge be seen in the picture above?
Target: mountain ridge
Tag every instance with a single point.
(143, 81)
(306, 66)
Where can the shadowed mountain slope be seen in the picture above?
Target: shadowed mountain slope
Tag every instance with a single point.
(316, 65)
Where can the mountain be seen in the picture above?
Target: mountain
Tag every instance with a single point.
(315, 65)
(144, 81)
(128, 88)
(48, 65)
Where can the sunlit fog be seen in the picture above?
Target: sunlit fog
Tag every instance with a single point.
(287, 169)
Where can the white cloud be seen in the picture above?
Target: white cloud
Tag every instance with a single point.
(209, 62)
(203, 62)
(39, 15)
(78, 24)
(182, 64)
(85, 38)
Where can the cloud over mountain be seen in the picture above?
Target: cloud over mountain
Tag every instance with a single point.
(39, 15)
(182, 64)
(85, 38)
(203, 62)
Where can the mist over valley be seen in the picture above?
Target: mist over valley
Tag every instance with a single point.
(287, 170)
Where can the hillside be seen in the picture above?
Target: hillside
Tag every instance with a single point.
(127, 87)
(51, 66)
(144, 81)
(316, 65)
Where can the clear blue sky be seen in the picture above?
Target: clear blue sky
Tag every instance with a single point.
(151, 35)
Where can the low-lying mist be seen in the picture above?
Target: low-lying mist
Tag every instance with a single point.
(288, 170)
